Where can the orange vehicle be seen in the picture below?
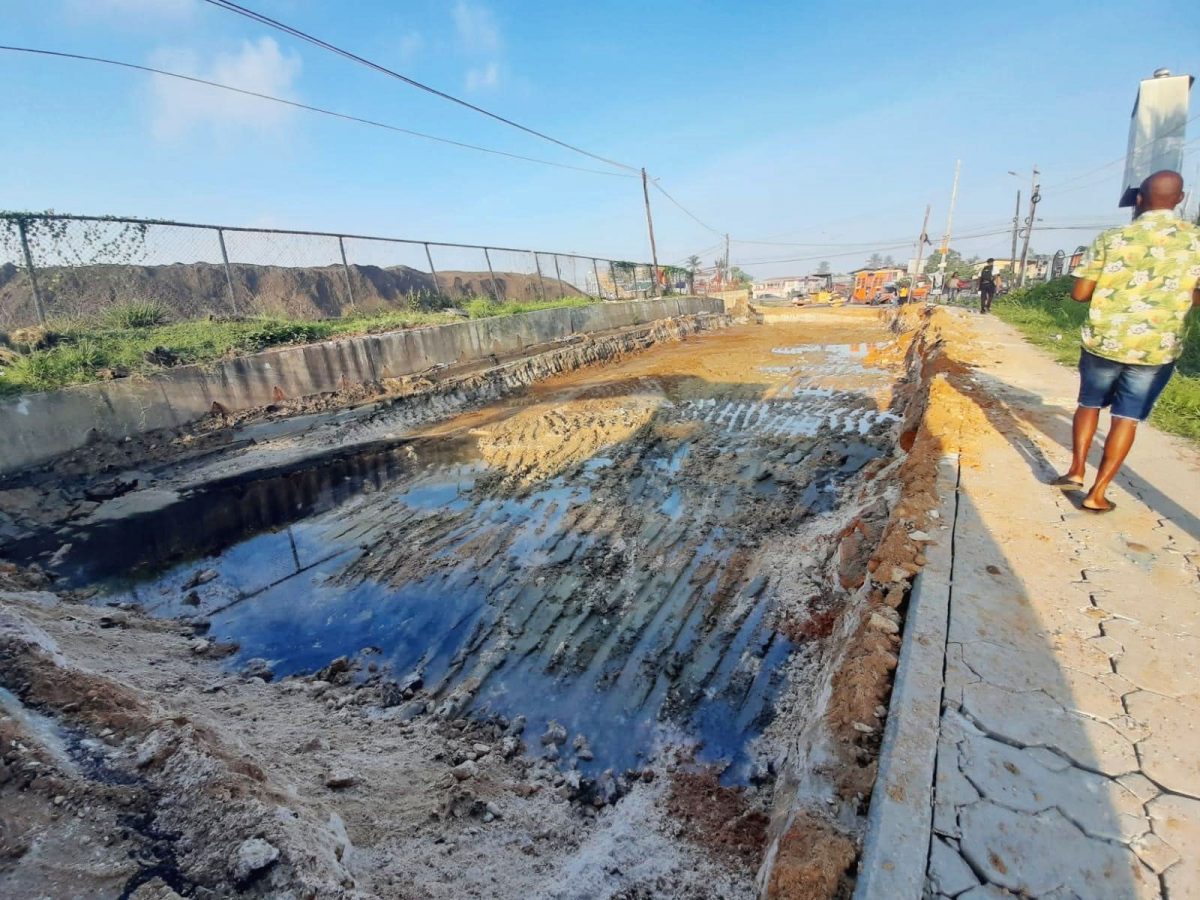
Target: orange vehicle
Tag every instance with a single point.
(868, 283)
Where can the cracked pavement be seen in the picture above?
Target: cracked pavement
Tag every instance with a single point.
(1067, 762)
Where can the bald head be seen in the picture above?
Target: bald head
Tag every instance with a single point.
(1162, 190)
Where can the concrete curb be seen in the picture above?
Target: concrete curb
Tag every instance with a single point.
(37, 427)
(896, 847)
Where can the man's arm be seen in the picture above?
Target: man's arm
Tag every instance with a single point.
(1088, 272)
(1081, 290)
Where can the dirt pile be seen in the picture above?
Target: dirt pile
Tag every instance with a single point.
(195, 290)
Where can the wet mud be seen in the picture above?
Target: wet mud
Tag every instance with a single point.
(626, 568)
(587, 560)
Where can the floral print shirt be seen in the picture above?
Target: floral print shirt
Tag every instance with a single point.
(1145, 273)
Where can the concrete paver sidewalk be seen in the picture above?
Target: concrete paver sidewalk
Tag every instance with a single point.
(1068, 760)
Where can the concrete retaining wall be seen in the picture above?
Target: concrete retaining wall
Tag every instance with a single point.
(38, 427)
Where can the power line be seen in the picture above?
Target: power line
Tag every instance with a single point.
(1120, 159)
(305, 106)
(325, 45)
(685, 210)
(1081, 226)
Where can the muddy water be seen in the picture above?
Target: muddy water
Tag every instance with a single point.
(586, 554)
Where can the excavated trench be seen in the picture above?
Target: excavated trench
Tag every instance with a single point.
(588, 559)
(618, 557)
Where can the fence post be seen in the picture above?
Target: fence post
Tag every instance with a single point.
(37, 294)
(612, 273)
(437, 291)
(346, 269)
(542, 284)
(558, 275)
(495, 289)
(228, 270)
(596, 272)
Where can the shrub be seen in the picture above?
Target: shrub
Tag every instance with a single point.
(273, 332)
(44, 370)
(136, 314)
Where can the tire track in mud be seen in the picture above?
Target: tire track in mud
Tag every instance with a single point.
(594, 563)
(588, 556)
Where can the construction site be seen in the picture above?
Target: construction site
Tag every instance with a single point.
(405, 559)
(611, 592)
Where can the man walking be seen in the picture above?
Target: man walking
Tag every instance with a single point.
(1141, 280)
(987, 287)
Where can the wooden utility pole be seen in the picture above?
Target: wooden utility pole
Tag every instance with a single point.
(650, 227)
(921, 242)
(1033, 202)
(949, 227)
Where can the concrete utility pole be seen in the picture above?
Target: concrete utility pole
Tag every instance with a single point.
(726, 257)
(949, 226)
(1012, 259)
(921, 242)
(1033, 202)
(650, 226)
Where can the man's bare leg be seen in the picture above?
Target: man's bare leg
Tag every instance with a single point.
(1120, 439)
(1083, 431)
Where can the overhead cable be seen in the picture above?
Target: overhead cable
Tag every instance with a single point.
(317, 109)
(332, 48)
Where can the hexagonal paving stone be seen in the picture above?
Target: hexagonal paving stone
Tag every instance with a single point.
(1177, 821)
(1015, 778)
(1158, 661)
(1169, 755)
(1034, 719)
(1040, 853)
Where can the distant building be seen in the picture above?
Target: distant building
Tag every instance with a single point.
(783, 286)
(791, 285)
(1036, 267)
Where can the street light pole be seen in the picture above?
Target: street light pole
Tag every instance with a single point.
(1012, 259)
(949, 229)
(1033, 202)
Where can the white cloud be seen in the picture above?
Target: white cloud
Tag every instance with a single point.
(140, 9)
(410, 45)
(484, 78)
(480, 40)
(476, 28)
(179, 106)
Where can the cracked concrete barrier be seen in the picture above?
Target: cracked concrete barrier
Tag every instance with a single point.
(35, 428)
(896, 847)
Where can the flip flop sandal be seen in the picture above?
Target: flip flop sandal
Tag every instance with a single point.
(1111, 506)
(1067, 484)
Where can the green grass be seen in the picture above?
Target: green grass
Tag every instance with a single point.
(133, 339)
(1049, 318)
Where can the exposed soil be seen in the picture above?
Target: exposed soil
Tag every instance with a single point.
(622, 635)
(195, 290)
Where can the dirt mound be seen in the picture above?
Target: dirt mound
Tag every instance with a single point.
(194, 290)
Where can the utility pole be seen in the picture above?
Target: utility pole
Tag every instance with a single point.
(921, 242)
(726, 257)
(650, 226)
(949, 227)
(1033, 202)
(1012, 259)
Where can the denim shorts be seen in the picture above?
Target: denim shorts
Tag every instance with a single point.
(1129, 389)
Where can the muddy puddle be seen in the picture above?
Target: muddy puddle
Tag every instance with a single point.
(586, 555)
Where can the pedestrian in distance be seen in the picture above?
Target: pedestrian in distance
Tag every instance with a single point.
(1141, 279)
(987, 287)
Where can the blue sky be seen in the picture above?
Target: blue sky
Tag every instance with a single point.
(810, 122)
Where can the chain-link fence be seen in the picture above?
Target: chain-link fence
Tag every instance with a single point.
(72, 268)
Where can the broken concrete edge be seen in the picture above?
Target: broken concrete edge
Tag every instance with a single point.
(895, 850)
(35, 428)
